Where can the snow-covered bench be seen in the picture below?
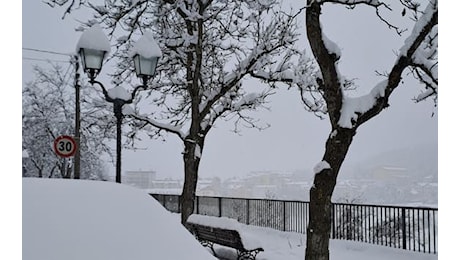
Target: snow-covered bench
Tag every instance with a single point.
(223, 231)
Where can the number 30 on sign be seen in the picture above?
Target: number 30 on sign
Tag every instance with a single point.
(65, 146)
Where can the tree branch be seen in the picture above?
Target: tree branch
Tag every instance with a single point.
(326, 59)
(419, 34)
(165, 127)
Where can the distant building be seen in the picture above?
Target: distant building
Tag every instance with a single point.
(140, 179)
(166, 186)
(210, 187)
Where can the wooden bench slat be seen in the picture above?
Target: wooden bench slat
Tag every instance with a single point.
(219, 236)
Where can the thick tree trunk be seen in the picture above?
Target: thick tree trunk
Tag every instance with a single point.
(319, 225)
(191, 165)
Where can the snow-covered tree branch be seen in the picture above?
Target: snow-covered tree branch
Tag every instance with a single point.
(415, 53)
(48, 111)
(209, 50)
(418, 55)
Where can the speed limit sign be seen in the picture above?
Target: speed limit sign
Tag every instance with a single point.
(65, 146)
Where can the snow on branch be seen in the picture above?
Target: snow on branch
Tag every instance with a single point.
(73, 5)
(418, 53)
(258, 58)
(424, 60)
(209, 48)
(300, 70)
(351, 3)
(331, 46)
(161, 126)
(227, 107)
(430, 15)
(321, 166)
(377, 5)
(352, 108)
(279, 34)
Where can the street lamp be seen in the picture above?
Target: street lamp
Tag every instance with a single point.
(93, 47)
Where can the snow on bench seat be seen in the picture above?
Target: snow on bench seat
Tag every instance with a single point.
(250, 242)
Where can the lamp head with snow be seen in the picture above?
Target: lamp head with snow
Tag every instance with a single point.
(145, 54)
(93, 46)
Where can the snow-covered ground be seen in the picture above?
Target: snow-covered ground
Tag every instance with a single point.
(70, 219)
(280, 245)
(77, 219)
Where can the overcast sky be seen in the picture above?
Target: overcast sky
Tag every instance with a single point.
(295, 140)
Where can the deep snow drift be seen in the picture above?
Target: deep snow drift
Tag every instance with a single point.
(77, 219)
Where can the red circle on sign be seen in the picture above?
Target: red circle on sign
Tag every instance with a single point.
(65, 146)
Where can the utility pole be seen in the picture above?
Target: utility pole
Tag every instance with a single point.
(77, 120)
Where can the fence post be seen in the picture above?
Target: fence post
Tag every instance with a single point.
(220, 206)
(197, 204)
(247, 211)
(284, 215)
(333, 220)
(404, 228)
(307, 216)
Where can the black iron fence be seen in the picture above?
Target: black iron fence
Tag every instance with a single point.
(411, 228)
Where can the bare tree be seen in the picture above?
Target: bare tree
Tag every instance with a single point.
(49, 111)
(418, 56)
(209, 48)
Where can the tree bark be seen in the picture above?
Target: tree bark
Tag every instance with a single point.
(319, 225)
(191, 165)
(191, 159)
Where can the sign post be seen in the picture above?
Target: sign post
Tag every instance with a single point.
(65, 146)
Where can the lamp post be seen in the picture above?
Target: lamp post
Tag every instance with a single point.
(93, 47)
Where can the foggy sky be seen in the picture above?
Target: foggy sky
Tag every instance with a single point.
(296, 138)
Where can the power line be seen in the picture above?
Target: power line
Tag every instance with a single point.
(67, 74)
(46, 51)
(47, 60)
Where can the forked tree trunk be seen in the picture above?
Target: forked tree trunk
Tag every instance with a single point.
(337, 145)
(331, 86)
(319, 225)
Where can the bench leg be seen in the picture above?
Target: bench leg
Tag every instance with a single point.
(212, 249)
(247, 255)
(206, 243)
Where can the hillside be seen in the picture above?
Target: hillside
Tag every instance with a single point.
(403, 176)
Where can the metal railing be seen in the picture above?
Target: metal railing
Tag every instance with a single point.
(410, 228)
